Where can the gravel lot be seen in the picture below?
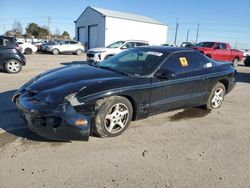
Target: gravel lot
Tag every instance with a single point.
(184, 148)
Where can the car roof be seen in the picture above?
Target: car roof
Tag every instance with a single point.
(167, 49)
(6, 37)
(135, 41)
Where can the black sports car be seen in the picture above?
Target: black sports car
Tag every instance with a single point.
(70, 103)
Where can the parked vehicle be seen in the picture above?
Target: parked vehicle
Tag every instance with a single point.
(11, 59)
(69, 46)
(39, 44)
(246, 52)
(46, 44)
(27, 48)
(186, 45)
(220, 51)
(247, 61)
(72, 102)
(99, 54)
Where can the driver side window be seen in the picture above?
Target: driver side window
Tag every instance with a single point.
(128, 45)
(182, 62)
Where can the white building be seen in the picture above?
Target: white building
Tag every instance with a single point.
(100, 27)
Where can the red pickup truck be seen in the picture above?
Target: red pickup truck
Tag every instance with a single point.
(219, 51)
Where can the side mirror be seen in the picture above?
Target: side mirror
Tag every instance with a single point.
(165, 74)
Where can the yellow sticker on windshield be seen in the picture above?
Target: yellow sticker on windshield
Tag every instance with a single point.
(183, 61)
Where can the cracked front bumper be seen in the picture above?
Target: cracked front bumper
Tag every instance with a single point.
(55, 124)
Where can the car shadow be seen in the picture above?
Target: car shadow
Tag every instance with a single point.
(11, 121)
(75, 63)
(243, 77)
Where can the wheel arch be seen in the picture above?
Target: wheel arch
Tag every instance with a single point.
(100, 101)
(236, 57)
(133, 103)
(225, 83)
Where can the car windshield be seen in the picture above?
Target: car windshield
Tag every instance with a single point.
(116, 44)
(206, 44)
(137, 61)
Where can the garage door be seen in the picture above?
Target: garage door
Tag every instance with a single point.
(81, 35)
(93, 42)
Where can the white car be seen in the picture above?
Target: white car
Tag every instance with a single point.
(246, 52)
(69, 46)
(27, 48)
(99, 54)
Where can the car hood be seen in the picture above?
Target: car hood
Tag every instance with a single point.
(53, 86)
(100, 49)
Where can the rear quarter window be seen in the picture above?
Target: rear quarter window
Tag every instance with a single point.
(183, 62)
(4, 42)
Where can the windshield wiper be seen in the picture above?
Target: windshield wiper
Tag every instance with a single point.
(114, 70)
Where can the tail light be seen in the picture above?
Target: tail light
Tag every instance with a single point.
(19, 48)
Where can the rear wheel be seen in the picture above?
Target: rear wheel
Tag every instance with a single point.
(113, 117)
(13, 66)
(216, 96)
(55, 51)
(28, 51)
(79, 52)
(235, 62)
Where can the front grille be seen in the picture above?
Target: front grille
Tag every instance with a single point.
(90, 55)
(48, 122)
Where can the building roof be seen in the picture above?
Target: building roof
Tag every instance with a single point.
(123, 15)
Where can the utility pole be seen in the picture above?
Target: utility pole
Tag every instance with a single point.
(4, 29)
(49, 20)
(235, 45)
(176, 31)
(197, 34)
(187, 35)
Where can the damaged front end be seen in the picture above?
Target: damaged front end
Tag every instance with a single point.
(65, 120)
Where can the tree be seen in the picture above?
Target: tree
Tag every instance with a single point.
(9, 33)
(35, 30)
(17, 28)
(65, 34)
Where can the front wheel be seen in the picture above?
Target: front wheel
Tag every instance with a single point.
(113, 117)
(13, 66)
(78, 52)
(216, 96)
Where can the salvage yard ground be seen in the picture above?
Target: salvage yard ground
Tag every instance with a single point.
(184, 148)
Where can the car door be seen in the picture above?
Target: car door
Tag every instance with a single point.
(73, 46)
(184, 86)
(220, 52)
(65, 47)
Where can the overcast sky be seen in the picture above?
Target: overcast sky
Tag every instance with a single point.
(220, 20)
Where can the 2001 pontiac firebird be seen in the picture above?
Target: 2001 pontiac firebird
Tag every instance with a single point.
(70, 103)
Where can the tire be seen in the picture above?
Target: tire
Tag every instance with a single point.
(216, 96)
(235, 62)
(113, 117)
(55, 51)
(28, 51)
(78, 52)
(13, 66)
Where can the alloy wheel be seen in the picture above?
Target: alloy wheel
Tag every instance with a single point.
(117, 118)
